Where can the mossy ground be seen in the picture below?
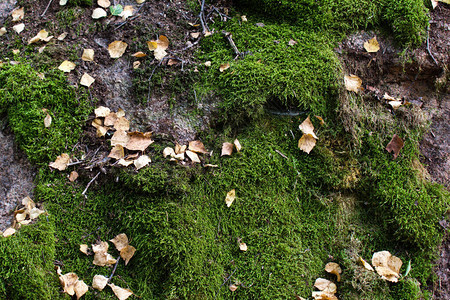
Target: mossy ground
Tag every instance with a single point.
(346, 199)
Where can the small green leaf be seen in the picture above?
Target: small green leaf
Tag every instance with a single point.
(116, 10)
(408, 268)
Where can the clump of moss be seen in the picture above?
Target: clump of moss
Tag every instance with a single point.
(23, 97)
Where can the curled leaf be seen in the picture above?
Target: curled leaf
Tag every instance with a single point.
(231, 195)
(334, 268)
(120, 293)
(61, 162)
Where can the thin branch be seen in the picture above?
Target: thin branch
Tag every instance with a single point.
(89, 184)
(428, 45)
(228, 278)
(202, 18)
(114, 270)
(48, 5)
(281, 154)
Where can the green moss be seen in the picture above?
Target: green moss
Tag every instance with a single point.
(23, 96)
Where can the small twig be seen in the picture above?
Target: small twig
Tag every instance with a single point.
(281, 154)
(89, 184)
(229, 37)
(48, 5)
(428, 45)
(75, 163)
(228, 278)
(190, 46)
(114, 270)
(202, 18)
(293, 137)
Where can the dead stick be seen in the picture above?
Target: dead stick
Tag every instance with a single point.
(229, 37)
(89, 184)
(114, 270)
(228, 278)
(281, 154)
(428, 45)
(202, 18)
(48, 5)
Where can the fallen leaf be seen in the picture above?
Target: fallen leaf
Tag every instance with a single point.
(99, 282)
(193, 156)
(61, 162)
(160, 54)
(334, 268)
(395, 104)
(306, 143)
(307, 127)
(110, 119)
(140, 1)
(292, 42)
(224, 67)
(67, 66)
(353, 83)
(21, 215)
(117, 152)
(102, 259)
(98, 13)
(372, 45)
(120, 137)
(172, 62)
(168, 151)
(127, 253)
(117, 48)
(152, 45)
(101, 131)
(139, 54)
(88, 55)
(387, 265)
(180, 149)
(19, 28)
(62, 2)
(197, 146)
(232, 287)
(87, 80)
(120, 293)
(124, 163)
(243, 247)
(35, 212)
(8, 232)
(68, 282)
(73, 176)
(395, 145)
(227, 149)
(3, 31)
(104, 3)
(100, 246)
(62, 36)
(122, 124)
(127, 12)
(322, 122)
(42, 35)
(325, 285)
(237, 144)
(102, 111)
(365, 264)
(16, 51)
(231, 195)
(80, 288)
(142, 161)
(159, 47)
(208, 63)
(116, 10)
(28, 203)
(17, 14)
(139, 141)
(120, 241)
(323, 296)
(434, 3)
(120, 113)
(84, 249)
(195, 35)
(211, 166)
(244, 18)
(47, 121)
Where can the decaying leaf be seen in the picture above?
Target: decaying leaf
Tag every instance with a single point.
(323, 296)
(120, 137)
(102, 259)
(80, 288)
(120, 113)
(168, 151)
(17, 14)
(365, 264)
(197, 146)
(102, 111)
(180, 149)
(387, 265)
(307, 127)
(139, 54)
(243, 247)
(334, 268)
(120, 241)
(87, 80)
(325, 285)
(124, 163)
(322, 122)
(237, 144)
(88, 55)
(41, 36)
(127, 12)
(120, 293)
(68, 282)
(19, 28)
(3, 31)
(208, 63)
(159, 47)
(231, 195)
(117, 152)
(193, 156)
(244, 18)
(67, 66)
(224, 67)
(110, 119)
(195, 35)
(62, 36)
(395, 145)
(47, 121)
(35, 212)
(227, 149)
(122, 124)
(99, 282)
(127, 253)
(8, 232)
(233, 287)
(139, 141)
(104, 3)
(142, 161)
(372, 45)
(61, 162)
(306, 143)
(292, 42)
(353, 83)
(99, 13)
(84, 249)
(117, 48)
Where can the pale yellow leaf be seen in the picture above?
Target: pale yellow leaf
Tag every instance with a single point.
(67, 66)
(208, 63)
(227, 149)
(292, 42)
(306, 143)
(84, 249)
(68, 282)
(136, 64)
(211, 166)
(140, 1)
(323, 296)
(168, 151)
(100, 246)
(231, 195)
(21, 216)
(120, 293)
(120, 113)
(243, 247)
(434, 3)
(224, 67)
(244, 18)
(120, 137)
(387, 265)
(372, 45)
(127, 12)
(325, 285)
(3, 31)
(334, 268)
(19, 28)
(28, 203)
(88, 55)
(102, 111)
(159, 53)
(61, 162)
(8, 232)
(62, 2)
(142, 161)
(180, 149)
(365, 264)
(42, 35)
(17, 14)
(80, 288)
(353, 83)
(193, 156)
(195, 35)
(120, 241)
(35, 212)
(87, 80)
(122, 124)
(237, 144)
(101, 131)
(99, 282)
(98, 13)
(127, 253)
(104, 3)
(124, 163)
(62, 36)
(152, 45)
(395, 104)
(139, 54)
(47, 121)
(117, 48)
(103, 259)
(110, 119)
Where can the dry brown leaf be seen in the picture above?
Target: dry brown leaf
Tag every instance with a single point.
(19, 28)
(102, 259)
(172, 62)
(232, 287)
(353, 83)
(87, 80)
(100, 246)
(28, 203)
(231, 195)
(8, 232)
(80, 288)
(120, 293)
(395, 104)
(104, 3)
(101, 131)
(334, 268)
(142, 161)
(127, 253)
(325, 285)
(224, 67)
(159, 47)
(365, 264)
(139, 141)
(387, 265)
(120, 113)
(395, 145)
(35, 212)
(101, 111)
(47, 121)
(17, 14)
(140, 1)
(227, 149)
(42, 35)
(68, 282)
(307, 127)
(180, 149)
(117, 48)
(99, 282)
(84, 248)
(110, 119)
(306, 143)
(372, 45)
(117, 152)
(21, 215)
(122, 124)
(99, 13)
(124, 163)
(193, 156)
(120, 241)
(61, 162)
(168, 151)
(323, 296)
(197, 146)
(88, 55)
(237, 144)
(243, 247)
(139, 54)
(67, 66)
